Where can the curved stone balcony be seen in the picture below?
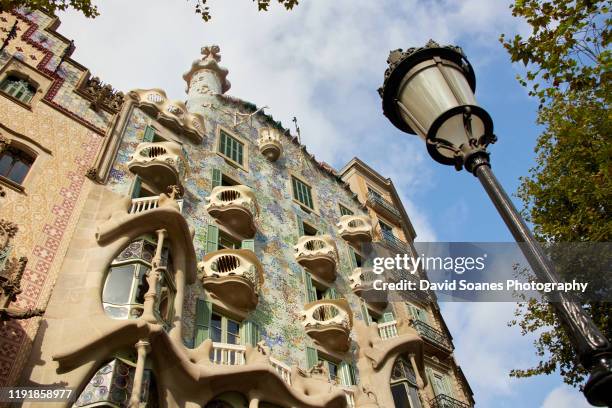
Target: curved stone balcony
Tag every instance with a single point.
(269, 143)
(319, 255)
(361, 281)
(235, 207)
(355, 229)
(233, 276)
(329, 323)
(159, 163)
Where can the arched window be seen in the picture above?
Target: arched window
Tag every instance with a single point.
(18, 88)
(403, 385)
(126, 283)
(15, 164)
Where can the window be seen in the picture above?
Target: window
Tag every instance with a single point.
(226, 241)
(345, 211)
(18, 88)
(375, 193)
(403, 385)
(226, 181)
(332, 368)
(231, 147)
(440, 382)
(126, 283)
(224, 330)
(15, 164)
(310, 230)
(386, 229)
(302, 192)
(418, 313)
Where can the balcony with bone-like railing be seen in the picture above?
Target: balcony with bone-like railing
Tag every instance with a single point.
(329, 322)
(235, 207)
(269, 143)
(235, 354)
(160, 164)
(355, 229)
(445, 401)
(149, 203)
(362, 284)
(318, 254)
(233, 277)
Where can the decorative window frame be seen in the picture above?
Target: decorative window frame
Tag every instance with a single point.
(245, 150)
(39, 153)
(20, 69)
(313, 195)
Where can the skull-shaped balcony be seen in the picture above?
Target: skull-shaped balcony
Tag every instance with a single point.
(233, 277)
(362, 285)
(329, 322)
(355, 229)
(318, 254)
(161, 164)
(269, 143)
(234, 207)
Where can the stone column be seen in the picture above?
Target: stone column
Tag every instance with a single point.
(150, 298)
(142, 347)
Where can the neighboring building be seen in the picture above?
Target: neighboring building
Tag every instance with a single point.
(193, 254)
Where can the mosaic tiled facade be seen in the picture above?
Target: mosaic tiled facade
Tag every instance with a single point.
(84, 200)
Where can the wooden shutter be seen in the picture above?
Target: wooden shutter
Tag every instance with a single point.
(352, 258)
(216, 178)
(300, 225)
(311, 293)
(249, 333)
(388, 317)
(330, 293)
(149, 134)
(136, 187)
(448, 388)
(212, 238)
(365, 313)
(312, 357)
(346, 372)
(202, 323)
(417, 313)
(248, 244)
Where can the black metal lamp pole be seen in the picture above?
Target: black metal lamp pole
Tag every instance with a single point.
(429, 91)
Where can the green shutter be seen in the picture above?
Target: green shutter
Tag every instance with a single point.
(248, 244)
(388, 317)
(249, 333)
(418, 313)
(312, 357)
(311, 293)
(346, 372)
(202, 323)
(149, 134)
(447, 385)
(353, 258)
(300, 225)
(365, 313)
(216, 177)
(212, 238)
(330, 293)
(136, 187)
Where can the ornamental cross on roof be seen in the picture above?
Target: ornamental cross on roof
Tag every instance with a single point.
(211, 52)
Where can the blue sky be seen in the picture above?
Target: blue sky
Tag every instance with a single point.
(323, 63)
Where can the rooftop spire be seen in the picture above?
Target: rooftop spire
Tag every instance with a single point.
(206, 77)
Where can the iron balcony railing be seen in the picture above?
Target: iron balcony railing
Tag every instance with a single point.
(432, 335)
(389, 207)
(444, 401)
(393, 241)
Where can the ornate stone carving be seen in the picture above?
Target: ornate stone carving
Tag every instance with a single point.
(8, 230)
(92, 173)
(211, 52)
(102, 95)
(10, 287)
(4, 143)
(209, 62)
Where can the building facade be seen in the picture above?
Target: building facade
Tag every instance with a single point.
(161, 252)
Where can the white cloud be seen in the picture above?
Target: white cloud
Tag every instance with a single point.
(564, 397)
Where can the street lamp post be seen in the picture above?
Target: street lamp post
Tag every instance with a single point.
(429, 91)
